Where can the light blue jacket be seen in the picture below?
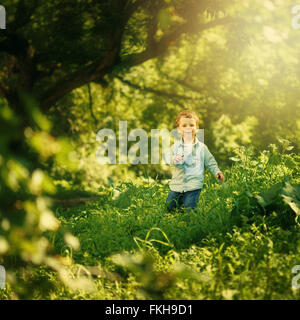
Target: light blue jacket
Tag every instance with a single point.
(188, 174)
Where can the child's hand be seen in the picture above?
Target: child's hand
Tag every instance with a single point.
(178, 158)
(220, 176)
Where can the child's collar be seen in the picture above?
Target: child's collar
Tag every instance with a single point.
(193, 144)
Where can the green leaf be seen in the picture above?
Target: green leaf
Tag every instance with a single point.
(291, 196)
(270, 196)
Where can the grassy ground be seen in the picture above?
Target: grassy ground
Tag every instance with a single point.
(241, 243)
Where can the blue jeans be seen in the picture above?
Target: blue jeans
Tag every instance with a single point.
(188, 199)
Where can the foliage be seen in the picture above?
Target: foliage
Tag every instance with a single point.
(50, 49)
(242, 82)
(241, 243)
(25, 210)
(233, 62)
(229, 137)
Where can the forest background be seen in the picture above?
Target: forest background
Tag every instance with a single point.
(70, 68)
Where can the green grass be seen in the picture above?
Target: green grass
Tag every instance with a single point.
(241, 243)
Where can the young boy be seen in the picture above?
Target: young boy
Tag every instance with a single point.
(190, 157)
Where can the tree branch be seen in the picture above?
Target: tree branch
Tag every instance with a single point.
(155, 91)
(183, 83)
(91, 103)
(77, 79)
(163, 44)
(94, 71)
(98, 69)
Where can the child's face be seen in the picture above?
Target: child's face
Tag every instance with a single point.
(187, 127)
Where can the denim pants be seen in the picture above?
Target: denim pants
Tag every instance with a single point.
(188, 199)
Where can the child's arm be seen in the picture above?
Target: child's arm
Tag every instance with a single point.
(211, 164)
(174, 157)
(177, 158)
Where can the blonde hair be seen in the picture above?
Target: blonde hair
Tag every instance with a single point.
(187, 114)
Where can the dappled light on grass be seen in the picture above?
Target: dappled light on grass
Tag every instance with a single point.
(241, 230)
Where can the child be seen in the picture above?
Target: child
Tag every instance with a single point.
(189, 156)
